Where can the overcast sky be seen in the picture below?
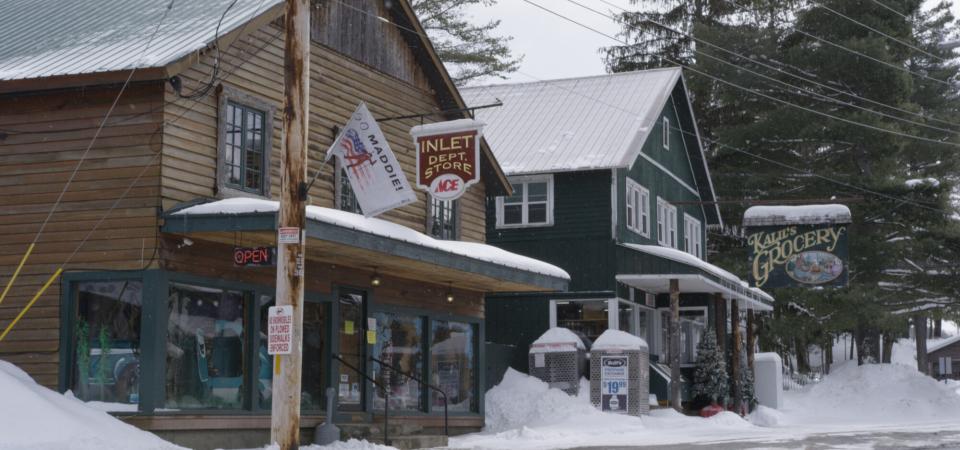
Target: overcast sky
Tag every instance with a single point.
(553, 47)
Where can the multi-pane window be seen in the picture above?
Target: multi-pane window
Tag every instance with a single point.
(245, 149)
(453, 365)
(530, 205)
(442, 219)
(692, 237)
(400, 340)
(638, 208)
(346, 197)
(666, 133)
(666, 224)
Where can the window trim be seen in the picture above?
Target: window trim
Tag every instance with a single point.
(338, 178)
(689, 221)
(669, 223)
(229, 94)
(644, 211)
(457, 216)
(665, 132)
(524, 223)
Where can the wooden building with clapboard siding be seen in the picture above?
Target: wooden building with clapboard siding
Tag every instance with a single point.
(156, 312)
(610, 183)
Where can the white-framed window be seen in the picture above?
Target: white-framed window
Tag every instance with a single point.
(666, 223)
(666, 133)
(692, 237)
(531, 204)
(638, 208)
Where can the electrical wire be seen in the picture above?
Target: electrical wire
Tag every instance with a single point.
(885, 6)
(769, 78)
(868, 27)
(772, 67)
(752, 91)
(205, 89)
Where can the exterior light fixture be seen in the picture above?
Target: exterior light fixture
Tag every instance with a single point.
(450, 297)
(375, 279)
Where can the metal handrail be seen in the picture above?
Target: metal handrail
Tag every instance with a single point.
(386, 397)
(446, 429)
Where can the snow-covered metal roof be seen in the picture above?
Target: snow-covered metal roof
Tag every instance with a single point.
(596, 122)
(796, 215)
(44, 38)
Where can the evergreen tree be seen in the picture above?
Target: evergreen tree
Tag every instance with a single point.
(472, 50)
(710, 383)
(901, 242)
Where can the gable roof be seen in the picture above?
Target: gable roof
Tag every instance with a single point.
(589, 123)
(48, 38)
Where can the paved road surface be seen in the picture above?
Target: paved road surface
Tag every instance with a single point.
(885, 440)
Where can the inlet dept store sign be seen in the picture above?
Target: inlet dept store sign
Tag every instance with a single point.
(448, 157)
(790, 249)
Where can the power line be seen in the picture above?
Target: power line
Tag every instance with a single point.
(868, 27)
(752, 91)
(806, 172)
(884, 5)
(767, 77)
(790, 74)
(103, 122)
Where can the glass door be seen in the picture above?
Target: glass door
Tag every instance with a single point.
(351, 323)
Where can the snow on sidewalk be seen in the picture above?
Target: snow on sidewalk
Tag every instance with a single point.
(34, 417)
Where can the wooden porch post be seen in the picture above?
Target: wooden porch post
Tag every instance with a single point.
(735, 355)
(675, 344)
(751, 337)
(720, 321)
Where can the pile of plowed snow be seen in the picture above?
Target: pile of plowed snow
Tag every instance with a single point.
(524, 401)
(873, 393)
(34, 417)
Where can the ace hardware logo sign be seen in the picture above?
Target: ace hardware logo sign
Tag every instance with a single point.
(448, 157)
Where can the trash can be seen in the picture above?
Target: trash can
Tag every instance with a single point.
(768, 379)
(558, 357)
(620, 373)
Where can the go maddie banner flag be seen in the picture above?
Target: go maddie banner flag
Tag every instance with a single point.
(374, 173)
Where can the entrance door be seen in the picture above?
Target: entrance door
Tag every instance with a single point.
(352, 321)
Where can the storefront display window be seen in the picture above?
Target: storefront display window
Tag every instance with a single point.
(453, 365)
(626, 318)
(107, 349)
(399, 344)
(205, 348)
(588, 318)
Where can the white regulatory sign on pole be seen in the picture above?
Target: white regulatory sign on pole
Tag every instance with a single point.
(288, 235)
(280, 330)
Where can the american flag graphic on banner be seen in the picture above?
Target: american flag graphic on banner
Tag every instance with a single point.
(375, 174)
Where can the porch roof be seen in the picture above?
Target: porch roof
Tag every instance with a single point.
(654, 266)
(351, 240)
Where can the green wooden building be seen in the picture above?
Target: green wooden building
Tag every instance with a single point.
(610, 183)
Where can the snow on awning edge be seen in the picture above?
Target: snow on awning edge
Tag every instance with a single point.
(382, 228)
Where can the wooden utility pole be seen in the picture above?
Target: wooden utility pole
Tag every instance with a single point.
(735, 355)
(675, 344)
(285, 415)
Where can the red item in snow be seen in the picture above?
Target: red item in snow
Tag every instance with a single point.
(711, 410)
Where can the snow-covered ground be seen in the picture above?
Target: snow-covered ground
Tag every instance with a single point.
(36, 418)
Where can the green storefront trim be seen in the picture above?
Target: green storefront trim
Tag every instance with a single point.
(153, 340)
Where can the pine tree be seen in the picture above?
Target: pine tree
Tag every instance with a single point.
(472, 50)
(710, 380)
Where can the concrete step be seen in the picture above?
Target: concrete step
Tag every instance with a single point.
(416, 441)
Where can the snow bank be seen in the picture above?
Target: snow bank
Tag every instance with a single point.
(872, 394)
(765, 417)
(557, 339)
(381, 228)
(803, 214)
(524, 401)
(32, 416)
(618, 340)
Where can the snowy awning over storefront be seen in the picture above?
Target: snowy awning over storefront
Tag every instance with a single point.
(693, 274)
(371, 235)
(796, 215)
